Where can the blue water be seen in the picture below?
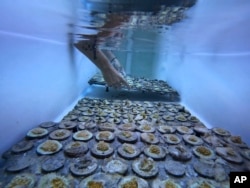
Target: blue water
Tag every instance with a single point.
(204, 55)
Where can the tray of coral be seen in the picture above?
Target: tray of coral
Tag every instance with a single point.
(141, 84)
(123, 143)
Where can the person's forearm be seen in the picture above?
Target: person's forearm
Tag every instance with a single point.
(110, 74)
(109, 55)
(96, 56)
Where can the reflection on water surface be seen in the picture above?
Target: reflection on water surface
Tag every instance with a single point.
(115, 24)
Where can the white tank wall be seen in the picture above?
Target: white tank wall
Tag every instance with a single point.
(208, 63)
(40, 73)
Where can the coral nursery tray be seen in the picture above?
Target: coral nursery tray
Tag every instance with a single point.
(123, 143)
(141, 84)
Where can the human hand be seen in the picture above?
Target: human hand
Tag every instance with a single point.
(117, 65)
(113, 78)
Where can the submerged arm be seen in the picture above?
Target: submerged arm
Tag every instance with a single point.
(110, 75)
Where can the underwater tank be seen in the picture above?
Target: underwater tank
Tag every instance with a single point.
(183, 121)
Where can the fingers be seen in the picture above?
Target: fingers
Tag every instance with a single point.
(114, 79)
(125, 83)
(119, 83)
